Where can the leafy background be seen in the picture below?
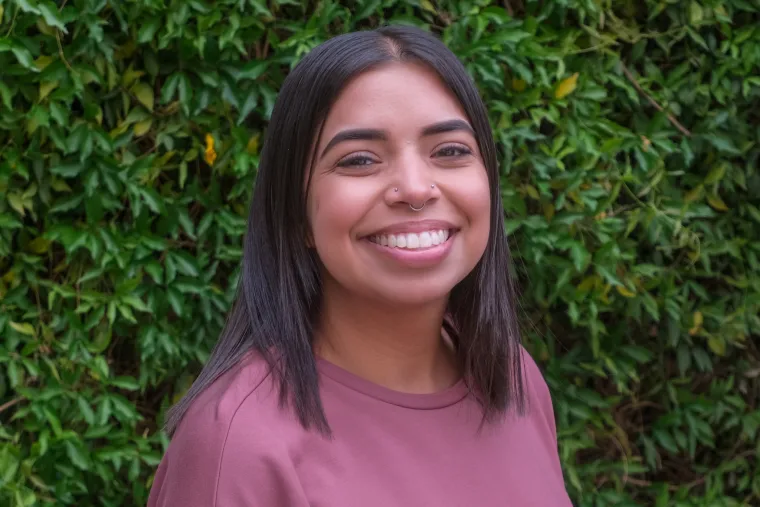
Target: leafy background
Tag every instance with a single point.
(628, 131)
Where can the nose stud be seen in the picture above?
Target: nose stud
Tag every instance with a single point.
(432, 185)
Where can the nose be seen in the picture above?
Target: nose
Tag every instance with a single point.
(413, 185)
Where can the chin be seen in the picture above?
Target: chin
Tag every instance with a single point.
(406, 295)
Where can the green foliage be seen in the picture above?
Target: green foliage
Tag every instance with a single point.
(628, 131)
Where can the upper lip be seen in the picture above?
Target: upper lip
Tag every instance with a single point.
(414, 226)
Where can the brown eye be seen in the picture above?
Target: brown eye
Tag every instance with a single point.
(453, 151)
(356, 161)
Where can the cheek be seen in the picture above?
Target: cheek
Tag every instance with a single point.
(334, 208)
(474, 199)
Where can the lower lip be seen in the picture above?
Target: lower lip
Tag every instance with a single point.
(418, 257)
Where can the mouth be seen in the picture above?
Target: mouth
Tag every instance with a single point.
(413, 240)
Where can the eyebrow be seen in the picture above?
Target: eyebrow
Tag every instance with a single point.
(364, 134)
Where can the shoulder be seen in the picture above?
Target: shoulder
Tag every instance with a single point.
(539, 401)
(209, 435)
(211, 415)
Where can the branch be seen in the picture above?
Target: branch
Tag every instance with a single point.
(6, 406)
(654, 103)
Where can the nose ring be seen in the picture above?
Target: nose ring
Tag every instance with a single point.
(417, 209)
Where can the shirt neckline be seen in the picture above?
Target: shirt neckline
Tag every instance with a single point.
(440, 399)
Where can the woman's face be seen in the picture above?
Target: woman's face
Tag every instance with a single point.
(397, 137)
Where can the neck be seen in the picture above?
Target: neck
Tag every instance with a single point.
(396, 346)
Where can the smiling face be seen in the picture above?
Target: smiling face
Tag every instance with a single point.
(397, 137)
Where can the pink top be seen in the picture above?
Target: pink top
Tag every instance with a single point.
(237, 448)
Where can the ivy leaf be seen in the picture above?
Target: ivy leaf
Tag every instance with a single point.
(25, 6)
(17, 203)
(50, 13)
(76, 453)
(23, 328)
(148, 30)
(253, 70)
(24, 57)
(8, 221)
(6, 95)
(566, 86)
(185, 263)
(717, 203)
(143, 127)
(175, 300)
(170, 88)
(144, 94)
(127, 383)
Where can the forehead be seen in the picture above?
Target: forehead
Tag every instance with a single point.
(396, 96)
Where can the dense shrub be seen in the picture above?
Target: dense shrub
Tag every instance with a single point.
(628, 130)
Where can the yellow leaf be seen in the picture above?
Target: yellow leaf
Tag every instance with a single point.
(716, 174)
(549, 211)
(625, 292)
(694, 194)
(46, 87)
(44, 27)
(141, 128)
(717, 345)
(16, 203)
(59, 185)
(425, 4)
(717, 203)
(130, 76)
(519, 85)
(43, 61)
(567, 86)
(23, 328)
(588, 283)
(253, 144)
(144, 94)
(698, 320)
(38, 245)
(531, 191)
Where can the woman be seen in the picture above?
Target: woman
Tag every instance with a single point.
(372, 357)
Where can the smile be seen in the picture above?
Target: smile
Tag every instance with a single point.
(412, 240)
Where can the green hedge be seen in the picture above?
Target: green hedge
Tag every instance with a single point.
(628, 131)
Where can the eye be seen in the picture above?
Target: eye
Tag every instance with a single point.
(356, 161)
(453, 151)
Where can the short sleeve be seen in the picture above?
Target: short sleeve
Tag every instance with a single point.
(540, 403)
(188, 472)
(228, 451)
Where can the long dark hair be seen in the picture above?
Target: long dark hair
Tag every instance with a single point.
(280, 291)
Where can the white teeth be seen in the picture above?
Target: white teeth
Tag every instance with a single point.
(412, 241)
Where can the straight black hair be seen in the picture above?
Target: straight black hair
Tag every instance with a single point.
(279, 295)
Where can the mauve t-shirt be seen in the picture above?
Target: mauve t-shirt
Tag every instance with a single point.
(237, 447)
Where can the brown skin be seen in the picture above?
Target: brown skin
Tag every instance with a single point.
(381, 317)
